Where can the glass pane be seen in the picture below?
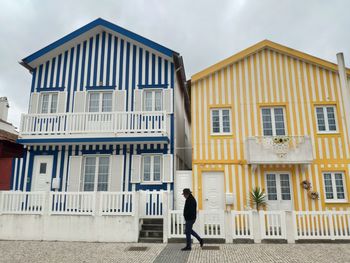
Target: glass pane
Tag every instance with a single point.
(158, 100)
(267, 122)
(215, 121)
(107, 102)
(45, 103)
(226, 120)
(328, 185)
(156, 168)
(285, 187)
(331, 119)
(279, 121)
(103, 170)
(339, 184)
(271, 187)
(147, 103)
(89, 176)
(54, 98)
(320, 119)
(94, 102)
(42, 169)
(146, 168)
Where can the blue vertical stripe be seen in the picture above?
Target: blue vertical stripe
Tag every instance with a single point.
(127, 74)
(62, 166)
(70, 77)
(160, 70)
(70, 153)
(28, 184)
(64, 73)
(77, 57)
(40, 76)
(124, 173)
(58, 71)
(129, 170)
(121, 64)
(54, 168)
(97, 42)
(12, 172)
(146, 68)
(18, 179)
(23, 170)
(83, 67)
(140, 65)
(115, 61)
(108, 58)
(153, 69)
(134, 48)
(46, 73)
(166, 72)
(33, 80)
(89, 62)
(172, 75)
(102, 56)
(53, 64)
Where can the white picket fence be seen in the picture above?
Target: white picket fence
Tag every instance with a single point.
(22, 202)
(70, 203)
(151, 204)
(242, 224)
(273, 224)
(117, 203)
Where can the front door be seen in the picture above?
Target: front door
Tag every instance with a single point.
(42, 173)
(213, 190)
(279, 191)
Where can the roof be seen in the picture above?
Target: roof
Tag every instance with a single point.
(96, 23)
(262, 45)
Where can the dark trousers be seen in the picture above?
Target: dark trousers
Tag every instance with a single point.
(189, 231)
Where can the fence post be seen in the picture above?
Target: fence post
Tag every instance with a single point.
(165, 215)
(331, 225)
(47, 203)
(97, 204)
(1, 201)
(257, 218)
(136, 213)
(229, 228)
(289, 221)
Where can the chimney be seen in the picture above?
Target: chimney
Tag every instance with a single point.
(4, 107)
(345, 90)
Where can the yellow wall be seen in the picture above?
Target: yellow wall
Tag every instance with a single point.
(267, 77)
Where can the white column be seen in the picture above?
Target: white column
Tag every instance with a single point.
(256, 226)
(165, 215)
(228, 228)
(290, 226)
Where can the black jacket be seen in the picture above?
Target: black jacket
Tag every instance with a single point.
(190, 209)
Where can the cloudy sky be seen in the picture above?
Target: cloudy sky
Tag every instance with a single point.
(203, 31)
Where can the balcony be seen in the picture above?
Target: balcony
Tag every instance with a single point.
(90, 124)
(279, 150)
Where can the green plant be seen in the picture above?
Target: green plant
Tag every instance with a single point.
(257, 198)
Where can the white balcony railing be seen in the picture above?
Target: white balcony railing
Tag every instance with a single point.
(90, 122)
(279, 149)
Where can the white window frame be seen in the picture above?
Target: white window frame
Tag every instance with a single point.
(152, 181)
(334, 187)
(221, 127)
(325, 116)
(96, 171)
(100, 99)
(49, 103)
(273, 121)
(153, 91)
(278, 186)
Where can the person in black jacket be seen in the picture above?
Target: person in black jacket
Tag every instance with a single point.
(190, 214)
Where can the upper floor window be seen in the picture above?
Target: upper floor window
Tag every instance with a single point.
(326, 120)
(151, 168)
(48, 103)
(273, 121)
(334, 185)
(96, 171)
(221, 121)
(152, 100)
(100, 102)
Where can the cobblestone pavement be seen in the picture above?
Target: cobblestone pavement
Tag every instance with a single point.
(32, 251)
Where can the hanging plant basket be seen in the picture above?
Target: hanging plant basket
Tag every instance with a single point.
(314, 195)
(280, 139)
(306, 185)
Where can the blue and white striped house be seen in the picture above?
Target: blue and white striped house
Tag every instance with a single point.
(109, 111)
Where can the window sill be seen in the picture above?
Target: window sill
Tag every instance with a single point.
(220, 134)
(328, 133)
(336, 202)
(151, 183)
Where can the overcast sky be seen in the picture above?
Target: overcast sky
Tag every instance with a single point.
(203, 31)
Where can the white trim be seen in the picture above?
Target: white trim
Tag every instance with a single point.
(100, 100)
(152, 181)
(50, 94)
(153, 106)
(221, 128)
(273, 121)
(97, 156)
(325, 116)
(334, 188)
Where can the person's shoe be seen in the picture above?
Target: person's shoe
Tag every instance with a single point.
(186, 249)
(201, 242)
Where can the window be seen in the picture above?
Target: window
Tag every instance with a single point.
(100, 102)
(278, 187)
(221, 121)
(334, 186)
(152, 100)
(273, 121)
(49, 103)
(151, 168)
(326, 120)
(96, 171)
(42, 169)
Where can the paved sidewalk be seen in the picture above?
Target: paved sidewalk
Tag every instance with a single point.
(34, 251)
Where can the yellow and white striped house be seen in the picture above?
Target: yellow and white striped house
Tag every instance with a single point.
(273, 117)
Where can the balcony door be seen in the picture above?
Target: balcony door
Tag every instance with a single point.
(100, 112)
(279, 191)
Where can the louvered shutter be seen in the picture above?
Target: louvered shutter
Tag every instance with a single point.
(79, 101)
(119, 100)
(116, 173)
(136, 169)
(74, 174)
(138, 100)
(34, 103)
(168, 100)
(61, 107)
(168, 168)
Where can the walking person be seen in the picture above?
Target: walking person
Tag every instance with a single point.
(190, 214)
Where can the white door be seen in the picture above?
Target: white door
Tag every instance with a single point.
(279, 191)
(213, 190)
(183, 179)
(42, 173)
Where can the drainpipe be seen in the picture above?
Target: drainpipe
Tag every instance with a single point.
(345, 91)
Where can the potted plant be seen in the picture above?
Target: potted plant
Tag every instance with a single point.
(257, 198)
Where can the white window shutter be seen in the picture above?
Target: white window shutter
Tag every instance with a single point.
(79, 101)
(116, 173)
(168, 100)
(34, 103)
(61, 107)
(119, 100)
(168, 168)
(138, 100)
(136, 169)
(74, 174)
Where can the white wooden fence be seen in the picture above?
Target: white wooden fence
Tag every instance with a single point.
(151, 204)
(242, 224)
(70, 203)
(117, 203)
(273, 224)
(21, 202)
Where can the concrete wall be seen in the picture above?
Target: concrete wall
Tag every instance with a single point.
(69, 228)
